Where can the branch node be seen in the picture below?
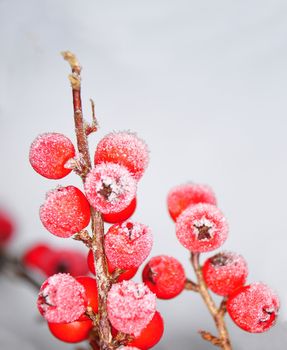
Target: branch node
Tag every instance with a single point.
(93, 126)
(116, 274)
(84, 237)
(72, 60)
(222, 307)
(210, 338)
(190, 285)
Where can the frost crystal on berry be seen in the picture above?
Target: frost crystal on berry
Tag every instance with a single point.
(62, 299)
(182, 196)
(128, 244)
(225, 272)
(124, 148)
(65, 212)
(253, 308)
(49, 153)
(129, 348)
(131, 306)
(110, 188)
(201, 228)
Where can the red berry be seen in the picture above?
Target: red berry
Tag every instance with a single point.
(6, 228)
(73, 332)
(124, 148)
(49, 261)
(128, 244)
(122, 215)
(182, 196)
(65, 212)
(49, 153)
(62, 299)
(164, 275)
(254, 307)
(225, 272)
(131, 306)
(126, 275)
(151, 334)
(110, 188)
(91, 290)
(67, 261)
(201, 228)
(37, 257)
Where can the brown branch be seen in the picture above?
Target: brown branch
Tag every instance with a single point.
(222, 307)
(210, 338)
(102, 276)
(13, 267)
(93, 127)
(190, 285)
(103, 280)
(217, 313)
(84, 237)
(75, 79)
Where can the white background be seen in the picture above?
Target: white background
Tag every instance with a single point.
(203, 82)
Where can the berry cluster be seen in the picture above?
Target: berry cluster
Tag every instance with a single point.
(110, 188)
(109, 309)
(201, 227)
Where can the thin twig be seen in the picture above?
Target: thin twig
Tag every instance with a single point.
(190, 285)
(84, 237)
(217, 313)
(210, 338)
(102, 276)
(92, 127)
(12, 266)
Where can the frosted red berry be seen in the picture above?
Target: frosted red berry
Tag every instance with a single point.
(62, 299)
(125, 275)
(110, 188)
(201, 228)
(182, 196)
(123, 215)
(65, 212)
(73, 332)
(165, 276)
(6, 228)
(49, 153)
(225, 272)
(128, 244)
(91, 291)
(151, 334)
(124, 148)
(253, 308)
(131, 306)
